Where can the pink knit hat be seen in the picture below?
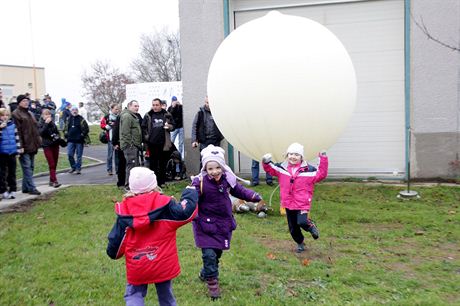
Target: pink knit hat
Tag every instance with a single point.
(142, 180)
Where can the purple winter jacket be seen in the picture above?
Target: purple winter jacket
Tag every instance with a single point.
(214, 224)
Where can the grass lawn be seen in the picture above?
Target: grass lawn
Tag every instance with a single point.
(94, 131)
(373, 249)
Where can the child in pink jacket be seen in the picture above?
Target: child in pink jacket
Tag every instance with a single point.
(297, 180)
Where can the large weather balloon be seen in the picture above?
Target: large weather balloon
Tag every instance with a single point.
(281, 79)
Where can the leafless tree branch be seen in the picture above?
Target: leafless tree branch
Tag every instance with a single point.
(159, 58)
(421, 25)
(104, 85)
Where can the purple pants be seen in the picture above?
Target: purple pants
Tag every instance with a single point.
(134, 295)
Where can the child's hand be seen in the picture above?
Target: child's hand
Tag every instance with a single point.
(267, 158)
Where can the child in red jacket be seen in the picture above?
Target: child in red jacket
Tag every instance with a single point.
(145, 232)
(297, 180)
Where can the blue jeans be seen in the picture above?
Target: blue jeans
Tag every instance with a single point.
(111, 155)
(27, 161)
(134, 295)
(73, 147)
(255, 173)
(210, 263)
(179, 132)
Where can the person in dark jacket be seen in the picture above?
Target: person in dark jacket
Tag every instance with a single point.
(30, 140)
(66, 114)
(2, 105)
(49, 104)
(107, 123)
(176, 112)
(121, 173)
(50, 143)
(76, 132)
(213, 226)
(145, 232)
(10, 146)
(204, 129)
(156, 127)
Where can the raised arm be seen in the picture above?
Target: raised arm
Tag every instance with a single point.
(323, 167)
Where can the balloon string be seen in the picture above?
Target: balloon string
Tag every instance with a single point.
(271, 196)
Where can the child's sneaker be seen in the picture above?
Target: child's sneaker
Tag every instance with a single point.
(6, 195)
(300, 248)
(313, 229)
(12, 195)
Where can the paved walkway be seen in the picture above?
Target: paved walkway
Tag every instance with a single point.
(90, 175)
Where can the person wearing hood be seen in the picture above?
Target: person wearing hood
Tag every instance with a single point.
(213, 226)
(145, 233)
(156, 127)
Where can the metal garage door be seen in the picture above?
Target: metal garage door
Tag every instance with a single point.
(373, 33)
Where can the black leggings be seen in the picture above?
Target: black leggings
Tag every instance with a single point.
(296, 221)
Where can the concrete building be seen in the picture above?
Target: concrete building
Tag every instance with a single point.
(16, 80)
(408, 107)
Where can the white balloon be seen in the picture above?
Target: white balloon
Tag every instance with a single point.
(281, 79)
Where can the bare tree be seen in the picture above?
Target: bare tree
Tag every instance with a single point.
(159, 58)
(104, 85)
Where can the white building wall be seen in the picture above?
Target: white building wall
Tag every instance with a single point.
(201, 31)
(435, 90)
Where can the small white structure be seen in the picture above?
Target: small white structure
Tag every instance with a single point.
(144, 93)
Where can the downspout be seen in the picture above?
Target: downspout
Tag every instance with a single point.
(407, 83)
(231, 160)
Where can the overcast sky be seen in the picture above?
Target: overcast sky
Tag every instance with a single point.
(69, 35)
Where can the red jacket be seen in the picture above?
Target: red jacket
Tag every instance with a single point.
(296, 190)
(145, 232)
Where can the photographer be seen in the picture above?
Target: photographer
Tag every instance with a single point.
(50, 143)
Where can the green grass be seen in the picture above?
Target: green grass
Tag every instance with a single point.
(41, 165)
(373, 249)
(94, 131)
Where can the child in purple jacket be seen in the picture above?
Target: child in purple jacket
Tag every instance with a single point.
(215, 223)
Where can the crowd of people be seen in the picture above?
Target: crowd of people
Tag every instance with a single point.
(150, 140)
(27, 125)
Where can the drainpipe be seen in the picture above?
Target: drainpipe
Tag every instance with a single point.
(231, 161)
(407, 83)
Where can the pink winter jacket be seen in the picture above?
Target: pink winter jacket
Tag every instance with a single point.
(296, 191)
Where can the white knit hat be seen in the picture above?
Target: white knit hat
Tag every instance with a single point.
(212, 153)
(216, 154)
(295, 148)
(142, 180)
